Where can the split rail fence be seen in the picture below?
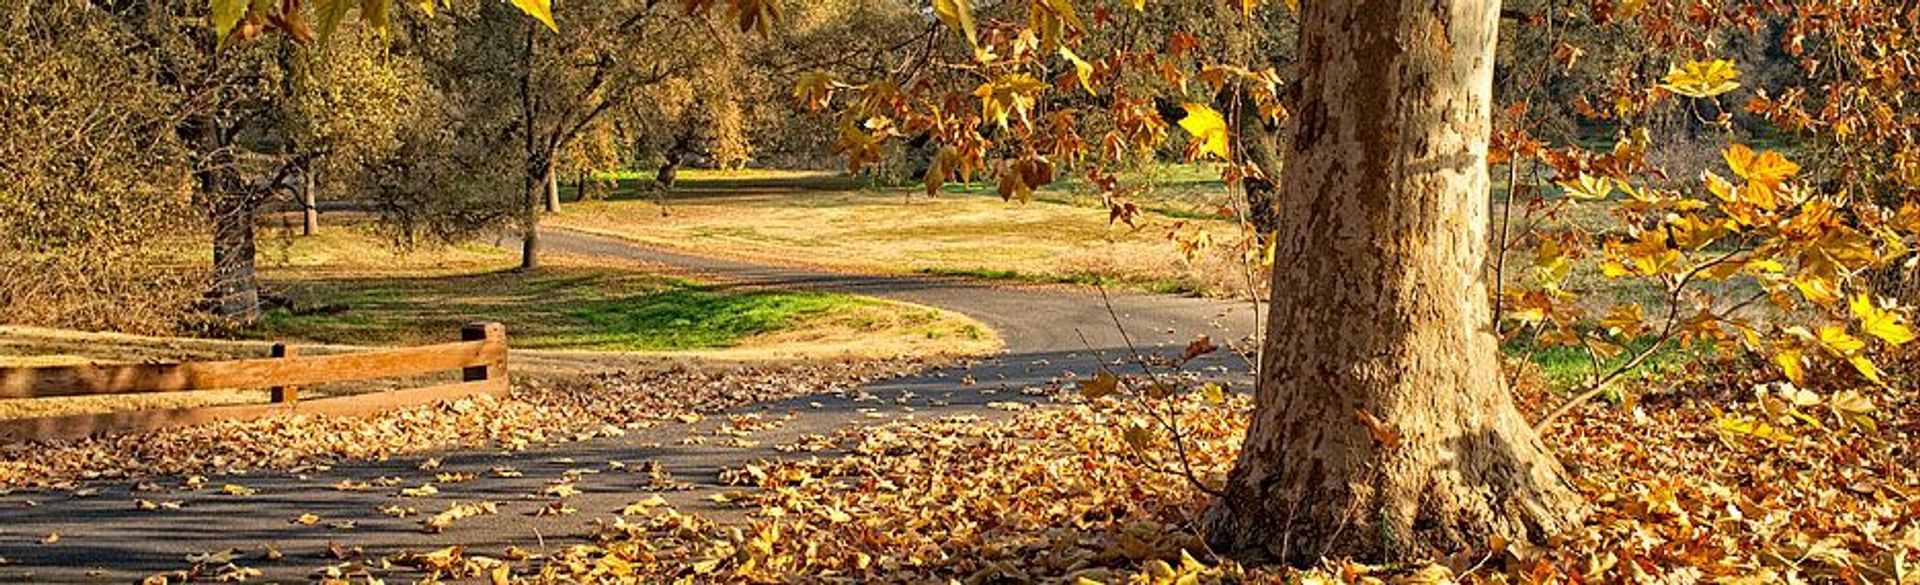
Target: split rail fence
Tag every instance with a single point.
(480, 355)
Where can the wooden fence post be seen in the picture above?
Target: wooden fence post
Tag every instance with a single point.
(284, 394)
(494, 334)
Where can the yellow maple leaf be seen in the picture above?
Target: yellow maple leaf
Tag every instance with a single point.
(1790, 362)
(1103, 384)
(1009, 95)
(541, 10)
(226, 15)
(1702, 79)
(1881, 323)
(1624, 319)
(1767, 168)
(1867, 369)
(1588, 187)
(1838, 342)
(958, 14)
(1081, 68)
(1815, 289)
(814, 89)
(1208, 127)
(1753, 428)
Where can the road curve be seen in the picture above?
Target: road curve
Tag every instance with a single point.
(1047, 330)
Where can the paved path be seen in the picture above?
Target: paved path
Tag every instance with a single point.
(104, 539)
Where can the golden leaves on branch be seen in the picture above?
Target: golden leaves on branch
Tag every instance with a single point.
(1019, 177)
(1209, 130)
(1009, 97)
(1081, 69)
(947, 165)
(1804, 251)
(1702, 79)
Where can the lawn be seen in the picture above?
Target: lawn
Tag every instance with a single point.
(344, 287)
(834, 221)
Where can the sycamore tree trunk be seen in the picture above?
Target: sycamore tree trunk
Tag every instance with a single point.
(1382, 427)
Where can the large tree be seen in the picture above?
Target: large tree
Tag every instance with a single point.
(1382, 423)
(560, 84)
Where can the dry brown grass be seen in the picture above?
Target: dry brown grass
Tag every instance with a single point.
(814, 220)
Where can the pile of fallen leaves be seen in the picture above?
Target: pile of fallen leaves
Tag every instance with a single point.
(1777, 486)
(537, 413)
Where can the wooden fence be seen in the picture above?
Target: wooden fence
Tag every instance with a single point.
(481, 356)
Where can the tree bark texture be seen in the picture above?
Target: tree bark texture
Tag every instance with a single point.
(1383, 428)
(235, 292)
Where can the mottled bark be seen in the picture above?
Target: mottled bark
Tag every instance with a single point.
(1382, 427)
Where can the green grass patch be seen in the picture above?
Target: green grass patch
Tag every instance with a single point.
(1568, 367)
(694, 317)
(588, 308)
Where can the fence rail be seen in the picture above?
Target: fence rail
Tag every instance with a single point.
(481, 356)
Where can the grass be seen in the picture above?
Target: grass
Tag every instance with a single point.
(1569, 367)
(344, 291)
(833, 221)
(564, 307)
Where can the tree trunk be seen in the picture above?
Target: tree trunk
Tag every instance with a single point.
(669, 172)
(536, 185)
(1382, 427)
(236, 290)
(539, 168)
(553, 189)
(1261, 145)
(580, 187)
(310, 221)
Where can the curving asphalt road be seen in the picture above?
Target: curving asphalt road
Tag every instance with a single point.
(1047, 331)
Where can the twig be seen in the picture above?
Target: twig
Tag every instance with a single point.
(1173, 422)
(1599, 385)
